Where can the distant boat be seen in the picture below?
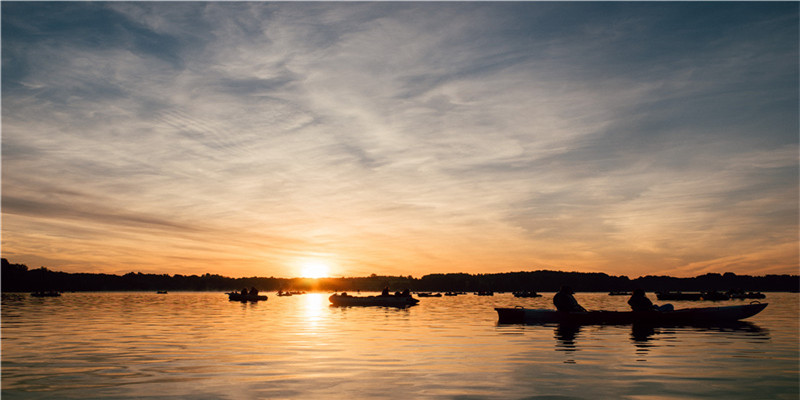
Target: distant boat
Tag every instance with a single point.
(737, 294)
(678, 296)
(616, 293)
(484, 293)
(284, 294)
(49, 293)
(429, 294)
(526, 293)
(345, 300)
(715, 296)
(161, 292)
(234, 296)
(682, 316)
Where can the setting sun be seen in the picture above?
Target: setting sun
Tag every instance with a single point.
(314, 269)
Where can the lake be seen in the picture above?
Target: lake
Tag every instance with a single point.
(202, 346)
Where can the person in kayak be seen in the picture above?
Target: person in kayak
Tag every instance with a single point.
(640, 302)
(565, 301)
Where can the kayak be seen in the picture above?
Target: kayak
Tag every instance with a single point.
(681, 316)
(233, 296)
(379, 301)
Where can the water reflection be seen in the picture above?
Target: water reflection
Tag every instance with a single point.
(641, 335)
(313, 305)
(646, 336)
(565, 335)
(130, 345)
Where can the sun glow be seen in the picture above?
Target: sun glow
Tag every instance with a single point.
(314, 269)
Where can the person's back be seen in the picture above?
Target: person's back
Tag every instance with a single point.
(565, 302)
(640, 302)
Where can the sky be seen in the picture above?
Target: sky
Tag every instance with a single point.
(296, 139)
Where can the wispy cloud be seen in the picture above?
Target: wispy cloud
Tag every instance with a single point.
(401, 137)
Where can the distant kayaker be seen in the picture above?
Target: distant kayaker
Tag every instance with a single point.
(565, 301)
(640, 302)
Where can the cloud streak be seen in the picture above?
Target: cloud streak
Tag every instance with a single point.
(402, 138)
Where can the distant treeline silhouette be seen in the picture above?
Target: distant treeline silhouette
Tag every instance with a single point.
(18, 278)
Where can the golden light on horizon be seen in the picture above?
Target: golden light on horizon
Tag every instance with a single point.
(314, 269)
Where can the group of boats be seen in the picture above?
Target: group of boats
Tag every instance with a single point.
(526, 294)
(514, 315)
(282, 293)
(46, 293)
(698, 315)
(430, 294)
(711, 295)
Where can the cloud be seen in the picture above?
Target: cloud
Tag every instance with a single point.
(514, 135)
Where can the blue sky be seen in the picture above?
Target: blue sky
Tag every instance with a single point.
(401, 138)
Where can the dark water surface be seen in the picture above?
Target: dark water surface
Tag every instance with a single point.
(202, 346)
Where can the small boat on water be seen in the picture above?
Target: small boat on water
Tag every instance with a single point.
(618, 293)
(161, 292)
(741, 294)
(714, 295)
(424, 294)
(748, 295)
(49, 293)
(678, 296)
(345, 300)
(236, 296)
(526, 293)
(682, 316)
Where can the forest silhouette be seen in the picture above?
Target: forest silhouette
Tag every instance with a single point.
(19, 278)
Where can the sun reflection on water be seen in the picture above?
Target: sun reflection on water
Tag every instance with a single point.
(313, 306)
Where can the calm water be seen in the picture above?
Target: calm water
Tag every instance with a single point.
(201, 346)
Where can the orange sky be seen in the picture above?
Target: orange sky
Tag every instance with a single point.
(261, 139)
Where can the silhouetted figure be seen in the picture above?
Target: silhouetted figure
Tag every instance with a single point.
(565, 301)
(406, 293)
(385, 291)
(244, 292)
(640, 302)
(253, 291)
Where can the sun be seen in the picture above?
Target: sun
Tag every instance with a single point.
(314, 269)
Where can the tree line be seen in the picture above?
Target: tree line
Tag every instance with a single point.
(19, 278)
